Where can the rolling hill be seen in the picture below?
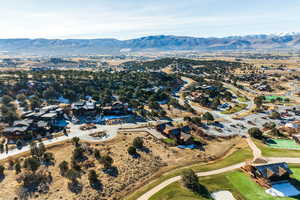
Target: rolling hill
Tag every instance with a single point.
(150, 43)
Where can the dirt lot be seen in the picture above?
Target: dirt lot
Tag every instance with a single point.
(132, 172)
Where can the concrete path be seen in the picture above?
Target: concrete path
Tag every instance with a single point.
(255, 150)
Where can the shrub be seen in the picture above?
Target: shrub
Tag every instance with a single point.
(138, 142)
(17, 167)
(63, 167)
(2, 168)
(208, 116)
(107, 161)
(31, 164)
(255, 133)
(131, 150)
(93, 177)
(190, 180)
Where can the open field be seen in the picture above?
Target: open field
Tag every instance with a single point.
(237, 182)
(275, 152)
(131, 173)
(284, 144)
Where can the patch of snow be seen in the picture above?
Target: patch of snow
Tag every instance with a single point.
(222, 195)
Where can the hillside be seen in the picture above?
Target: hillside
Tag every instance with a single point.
(150, 43)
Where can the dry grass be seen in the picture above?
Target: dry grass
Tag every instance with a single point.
(133, 173)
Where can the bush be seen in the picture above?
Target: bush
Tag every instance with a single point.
(131, 150)
(190, 180)
(48, 158)
(255, 133)
(63, 167)
(73, 175)
(75, 141)
(97, 154)
(107, 161)
(208, 116)
(269, 125)
(138, 142)
(17, 167)
(275, 115)
(78, 153)
(2, 168)
(31, 164)
(93, 177)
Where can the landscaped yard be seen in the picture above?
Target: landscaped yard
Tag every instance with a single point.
(237, 182)
(283, 144)
(275, 152)
(237, 108)
(238, 156)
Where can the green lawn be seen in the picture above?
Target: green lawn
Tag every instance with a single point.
(284, 144)
(175, 191)
(275, 152)
(170, 141)
(237, 108)
(237, 182)
(271, 98)
(238, 156)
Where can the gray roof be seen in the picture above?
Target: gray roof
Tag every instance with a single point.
(42, 124)
(26, 122)
(15, 129)
(50, 115)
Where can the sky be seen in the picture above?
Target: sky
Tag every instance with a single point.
(127, 19)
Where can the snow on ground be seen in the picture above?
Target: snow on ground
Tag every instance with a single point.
(283, 190)
(222, 195)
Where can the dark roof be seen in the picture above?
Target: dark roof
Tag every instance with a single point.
(276, 169)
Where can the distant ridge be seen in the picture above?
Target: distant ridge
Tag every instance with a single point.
(149, 43)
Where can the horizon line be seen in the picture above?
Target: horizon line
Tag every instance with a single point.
(145, 36)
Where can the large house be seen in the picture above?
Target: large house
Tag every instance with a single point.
(181, 134)
(117, 108)
(40, 121)
(84, 108)
(278, 172)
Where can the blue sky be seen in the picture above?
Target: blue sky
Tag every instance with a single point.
(126, 19)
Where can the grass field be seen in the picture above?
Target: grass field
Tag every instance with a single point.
(275, 152)
(237, 108)
(271, 98)
(237, 182)
(284, 144)
(238, 156)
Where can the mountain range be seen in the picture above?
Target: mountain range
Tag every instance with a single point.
(149, 43)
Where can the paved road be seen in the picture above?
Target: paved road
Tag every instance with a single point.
(74, 132)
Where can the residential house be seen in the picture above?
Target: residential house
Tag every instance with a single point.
(117, 108)
(272, 173)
